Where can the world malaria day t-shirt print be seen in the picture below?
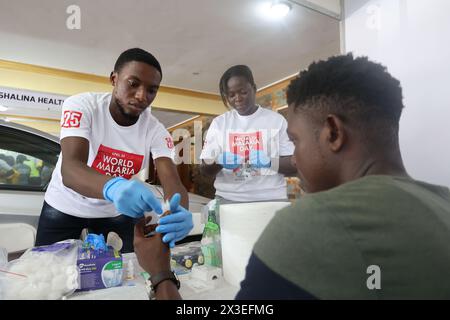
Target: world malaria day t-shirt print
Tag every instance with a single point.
(117, 163)
(242, 144)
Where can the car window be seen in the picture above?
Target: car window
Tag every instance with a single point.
(27, 160)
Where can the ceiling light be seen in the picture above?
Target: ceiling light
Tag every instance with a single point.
(274, 10)
(280, 9)
(3, 108)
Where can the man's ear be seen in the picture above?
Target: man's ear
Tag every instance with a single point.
(113, 78)
(335, 132)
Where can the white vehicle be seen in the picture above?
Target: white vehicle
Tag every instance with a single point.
(22, 194)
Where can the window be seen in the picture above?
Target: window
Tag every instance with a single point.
(27, 160)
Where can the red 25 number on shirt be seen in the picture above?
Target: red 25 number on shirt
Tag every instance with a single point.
(71, 119)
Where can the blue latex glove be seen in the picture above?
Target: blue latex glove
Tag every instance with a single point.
(230, 160)
(131, 197)
(259, 159)
(95, 241)
(176, 225)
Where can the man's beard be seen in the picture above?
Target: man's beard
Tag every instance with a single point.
(122, 111)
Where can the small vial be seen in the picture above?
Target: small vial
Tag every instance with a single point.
(130, 270)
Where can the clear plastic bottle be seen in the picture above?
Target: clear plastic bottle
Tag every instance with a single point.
(210, 243)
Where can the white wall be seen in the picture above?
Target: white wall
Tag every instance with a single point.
(412, 38)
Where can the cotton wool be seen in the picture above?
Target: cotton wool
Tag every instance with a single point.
(48, 276)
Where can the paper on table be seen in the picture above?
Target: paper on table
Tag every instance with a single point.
(241, 225)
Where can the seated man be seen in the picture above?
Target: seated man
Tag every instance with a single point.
(366, 230)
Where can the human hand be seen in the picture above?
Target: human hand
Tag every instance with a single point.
(230, 160)
(259, 159)
(177, 224)
(152, 253)
(131, 197)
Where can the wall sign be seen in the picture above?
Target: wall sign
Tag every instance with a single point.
(30, 99)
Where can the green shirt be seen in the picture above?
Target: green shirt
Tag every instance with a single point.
(326, 241)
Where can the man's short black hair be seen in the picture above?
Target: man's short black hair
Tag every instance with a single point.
(361, 92)
(239, 70)
(137, 54)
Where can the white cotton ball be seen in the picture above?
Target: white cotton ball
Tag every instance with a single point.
(59, 283)
(11, 290)
(47, 262)
(34, 278)
(31, 292)
(55, 270)
(72, 278)
(54, 261)
(44, 288)
(46, 276)
(28, 267)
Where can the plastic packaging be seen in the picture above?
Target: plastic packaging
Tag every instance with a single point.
(46, 272)
(95, 242)
(100, 265)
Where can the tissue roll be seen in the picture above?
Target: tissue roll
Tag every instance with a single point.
(241, 225)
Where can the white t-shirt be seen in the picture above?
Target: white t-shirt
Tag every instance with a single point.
(263, 130)
(113, 150)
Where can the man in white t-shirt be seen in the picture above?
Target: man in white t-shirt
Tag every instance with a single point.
(247, 148)
(106, 139)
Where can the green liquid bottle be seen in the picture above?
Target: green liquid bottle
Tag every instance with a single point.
(210, 243)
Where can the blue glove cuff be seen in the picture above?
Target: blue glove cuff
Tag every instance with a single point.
(109, 187)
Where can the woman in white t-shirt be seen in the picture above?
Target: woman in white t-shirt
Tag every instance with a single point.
(247, 149)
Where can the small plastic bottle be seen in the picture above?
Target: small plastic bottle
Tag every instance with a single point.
(210, 243)
(130, 270)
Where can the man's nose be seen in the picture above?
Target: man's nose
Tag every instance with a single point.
(140, 94)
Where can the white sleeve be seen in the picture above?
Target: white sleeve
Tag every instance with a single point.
(211, 146)
(162, 143)
(76, 118)
(286, 145)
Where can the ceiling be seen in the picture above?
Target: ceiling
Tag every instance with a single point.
(195, 40)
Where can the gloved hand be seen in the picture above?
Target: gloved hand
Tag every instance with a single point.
(176, 225)
(230, 160)
(131, 197)
(259, 159)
